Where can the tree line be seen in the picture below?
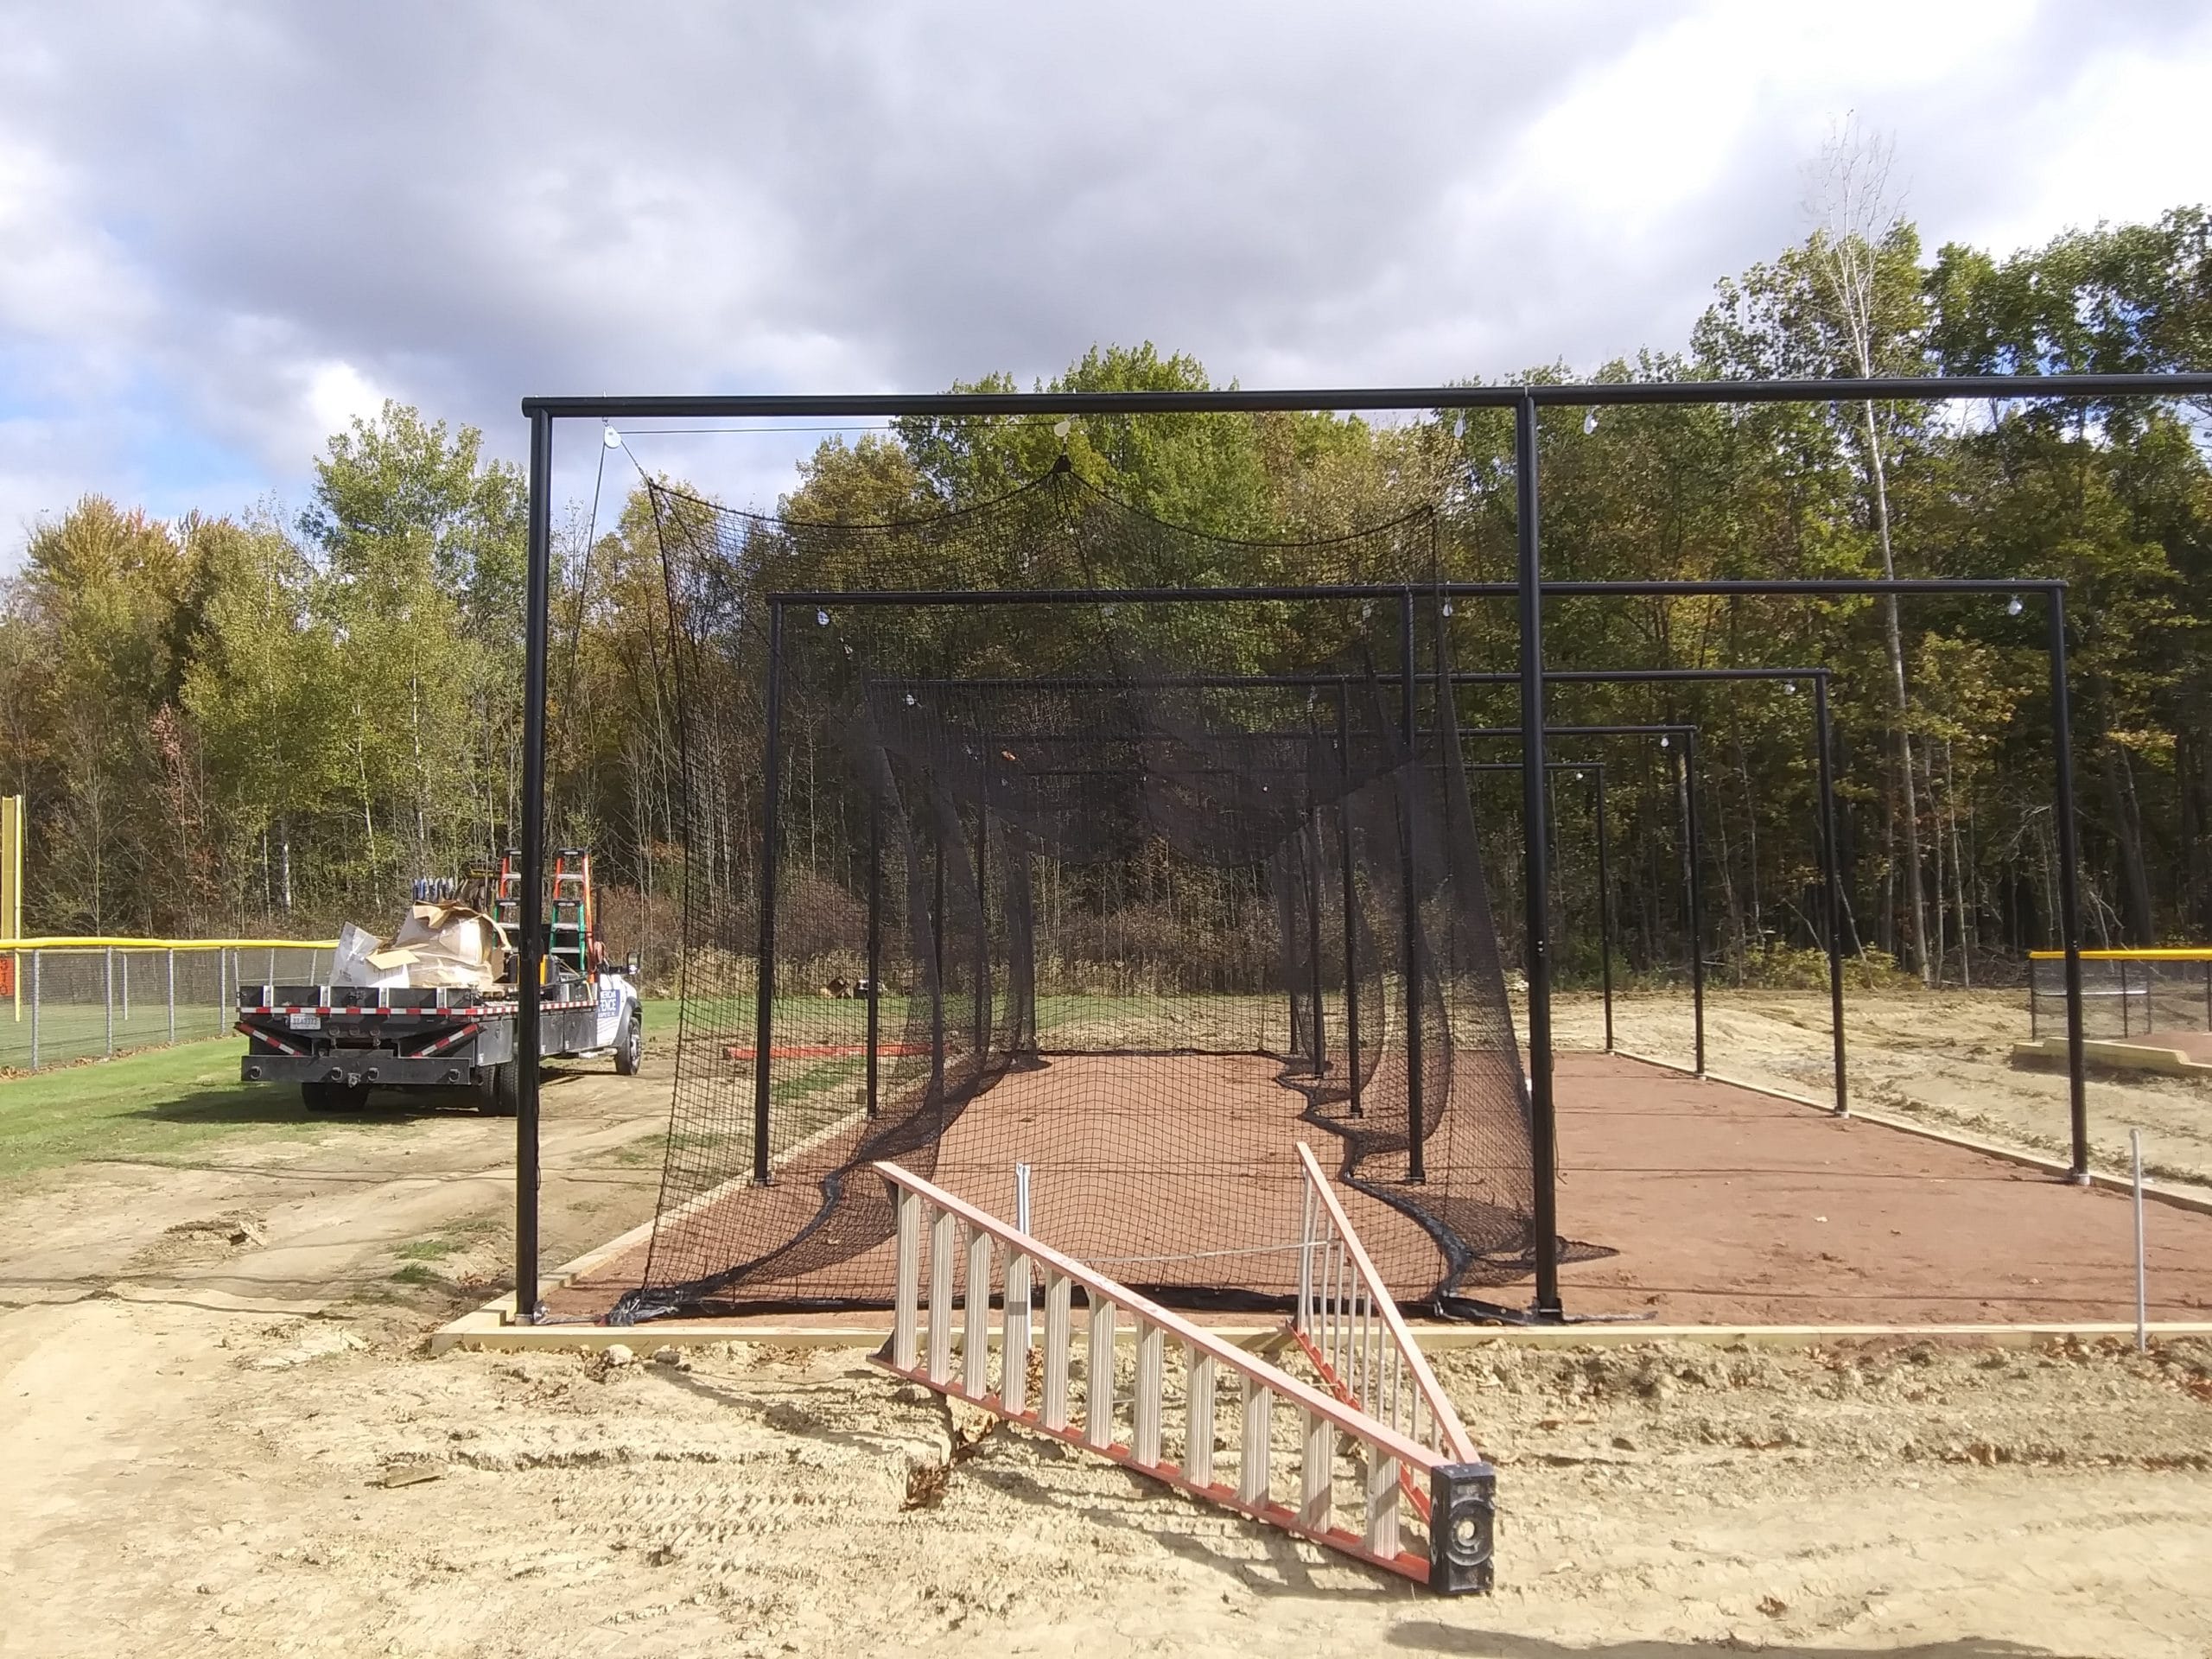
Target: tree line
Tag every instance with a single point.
(251, 723)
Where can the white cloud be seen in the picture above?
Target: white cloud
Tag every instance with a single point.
(227, 228)
(338, 394)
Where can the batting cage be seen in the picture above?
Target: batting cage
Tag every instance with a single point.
(1091, 892)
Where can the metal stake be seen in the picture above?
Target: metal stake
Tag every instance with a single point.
(1021, 1225)
(2142, 1300)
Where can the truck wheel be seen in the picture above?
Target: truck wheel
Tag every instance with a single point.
(630, 1047)
(495, 1090)
(328, 1097)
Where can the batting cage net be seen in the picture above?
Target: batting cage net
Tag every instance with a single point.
(1086, 910)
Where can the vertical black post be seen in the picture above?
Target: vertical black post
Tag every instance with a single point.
(538, 575)
(1313, 929)
(1536, 878)
(1351, 912)
(983, 992)
(1409, 735)
(2069, 885)
(1832, 883)
(1696, 891)
(936, 957)
(764, 996)
(1604, 910)
(2123, 997)
(874, 942)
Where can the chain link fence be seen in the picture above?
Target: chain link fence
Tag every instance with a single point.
(2124, 992)
(88, 1001)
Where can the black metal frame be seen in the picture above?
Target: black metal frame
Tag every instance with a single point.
(1523, 400)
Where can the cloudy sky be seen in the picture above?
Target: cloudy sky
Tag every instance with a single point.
(227, 228)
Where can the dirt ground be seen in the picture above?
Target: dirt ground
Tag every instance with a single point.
(1943, 1058)
(225, 1435)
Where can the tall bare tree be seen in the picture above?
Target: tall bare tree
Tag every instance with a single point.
(1854, 208)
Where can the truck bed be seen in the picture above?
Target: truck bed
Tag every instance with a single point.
(404, 1038)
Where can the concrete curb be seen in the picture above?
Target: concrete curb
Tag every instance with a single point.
(486, 1330)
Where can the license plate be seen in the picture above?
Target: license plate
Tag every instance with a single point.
(304, 1021)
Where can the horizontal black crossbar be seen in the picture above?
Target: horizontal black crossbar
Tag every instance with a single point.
(1236, 400)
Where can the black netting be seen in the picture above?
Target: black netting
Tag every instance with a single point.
(1138, 895)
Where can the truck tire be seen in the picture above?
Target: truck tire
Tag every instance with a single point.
(630, 1046)
(328, 1097)
(495, 1090)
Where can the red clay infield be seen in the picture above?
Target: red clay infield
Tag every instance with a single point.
(1721, 1205)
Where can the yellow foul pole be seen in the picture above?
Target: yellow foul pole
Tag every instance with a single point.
(12, 889)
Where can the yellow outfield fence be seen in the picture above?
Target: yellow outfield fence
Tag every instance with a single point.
(2157, 953)
(2124, 992)
(66, 997)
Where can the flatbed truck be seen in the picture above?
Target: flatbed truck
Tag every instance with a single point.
(339, 1042)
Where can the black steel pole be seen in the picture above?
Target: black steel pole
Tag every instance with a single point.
(1351, 903)
(937, 950)
(1314, 930)
(1409, 794)
(1605, 912)
(529, 995)
(1543, 1124)
(1694, 838)
(764, 992)
(1831, 882)
(874, 943)
(983, 992)
(2069, 885)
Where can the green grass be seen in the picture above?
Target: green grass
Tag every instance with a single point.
(459, 1235)
(159, 1104)
(73, 1031)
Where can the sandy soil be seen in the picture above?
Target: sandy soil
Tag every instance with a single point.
(1943, 1058)
(225, 1436)
(195, 1483)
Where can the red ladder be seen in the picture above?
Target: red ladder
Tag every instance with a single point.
(950, 1255)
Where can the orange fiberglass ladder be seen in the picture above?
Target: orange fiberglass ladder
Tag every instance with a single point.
(1384, 1431)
